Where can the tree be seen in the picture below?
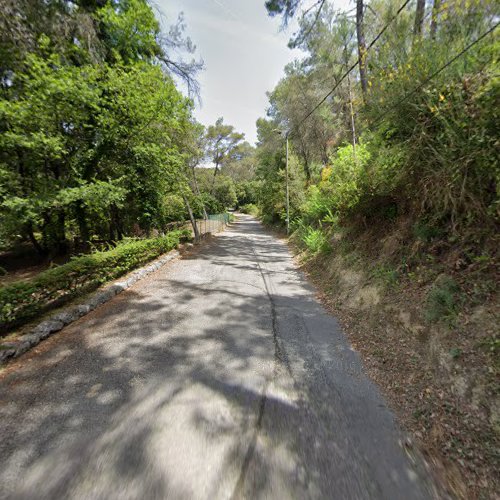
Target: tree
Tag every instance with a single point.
(434, 20)
(221, 141)
(284, 8)
(194, 147)
(240, 164)
(270, 174)
(419, 18)
(310, 19)
(360, 31)
(91, 123)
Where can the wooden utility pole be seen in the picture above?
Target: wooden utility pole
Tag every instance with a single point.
(353, 128)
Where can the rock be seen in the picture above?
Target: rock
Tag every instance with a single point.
(117, 288)
(99, 298)
(6, 354)
(83, 309)
(31, 338)
(131, 281)
(107, 294)
(22, 347)
(8, 345)
(66, 317)
(44, 329)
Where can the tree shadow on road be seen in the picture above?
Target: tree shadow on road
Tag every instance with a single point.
(174, 390)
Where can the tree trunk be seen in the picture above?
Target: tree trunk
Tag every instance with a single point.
(198, 193)
(192, 219)
(213, 179)
(62, 243)
(40, 250)
(115, 218)
(111, 232)
(419, 19)
(81, 219)
(435, 12)
(360, 31)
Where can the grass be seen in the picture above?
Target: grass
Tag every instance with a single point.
(442, 300)
(385, 275)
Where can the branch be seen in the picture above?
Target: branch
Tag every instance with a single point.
(305, 35)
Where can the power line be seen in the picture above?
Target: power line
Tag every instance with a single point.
(344, 76)
(433, 75)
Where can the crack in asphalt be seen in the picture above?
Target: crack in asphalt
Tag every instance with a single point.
(279, 358)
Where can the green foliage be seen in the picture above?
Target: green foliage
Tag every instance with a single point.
(222, 142)
(250, 209)
(315, 240)
(271, 174)
(385, 275)
(492, 344)
(247, 192)
(175, 208)
(22, 300)
(317, 206)
(92, 127)
(347, 176)
(225, 192)
(209, 203)
(131, 30)
(426, 232)
(442, 300)
(428, 150)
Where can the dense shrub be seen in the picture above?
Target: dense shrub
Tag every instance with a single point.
(250, 208)
(315, 240)
(21, 300)
(211, 204)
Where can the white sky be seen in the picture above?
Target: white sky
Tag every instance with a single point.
(244, 54)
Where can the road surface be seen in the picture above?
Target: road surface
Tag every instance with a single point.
(218, 376)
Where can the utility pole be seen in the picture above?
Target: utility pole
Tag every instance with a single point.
(287, 191)
(353, 128)
(287, 133)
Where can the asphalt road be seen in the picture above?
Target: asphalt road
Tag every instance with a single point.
(218, 376)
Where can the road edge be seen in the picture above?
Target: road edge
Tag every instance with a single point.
(10, 350)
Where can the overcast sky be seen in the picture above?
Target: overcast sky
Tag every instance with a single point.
(244, 54)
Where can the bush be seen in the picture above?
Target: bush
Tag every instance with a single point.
(211, 204)
(174, 208)
(317, 206)
(441, 304)
(315, 240)
(250, 208)
(22, 300)
(385, 275)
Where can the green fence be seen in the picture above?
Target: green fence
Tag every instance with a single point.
(214, 224)
(220, 217)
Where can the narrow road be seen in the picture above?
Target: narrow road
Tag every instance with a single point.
(218, 376)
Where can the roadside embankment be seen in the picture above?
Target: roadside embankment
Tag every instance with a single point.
(428, 337)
